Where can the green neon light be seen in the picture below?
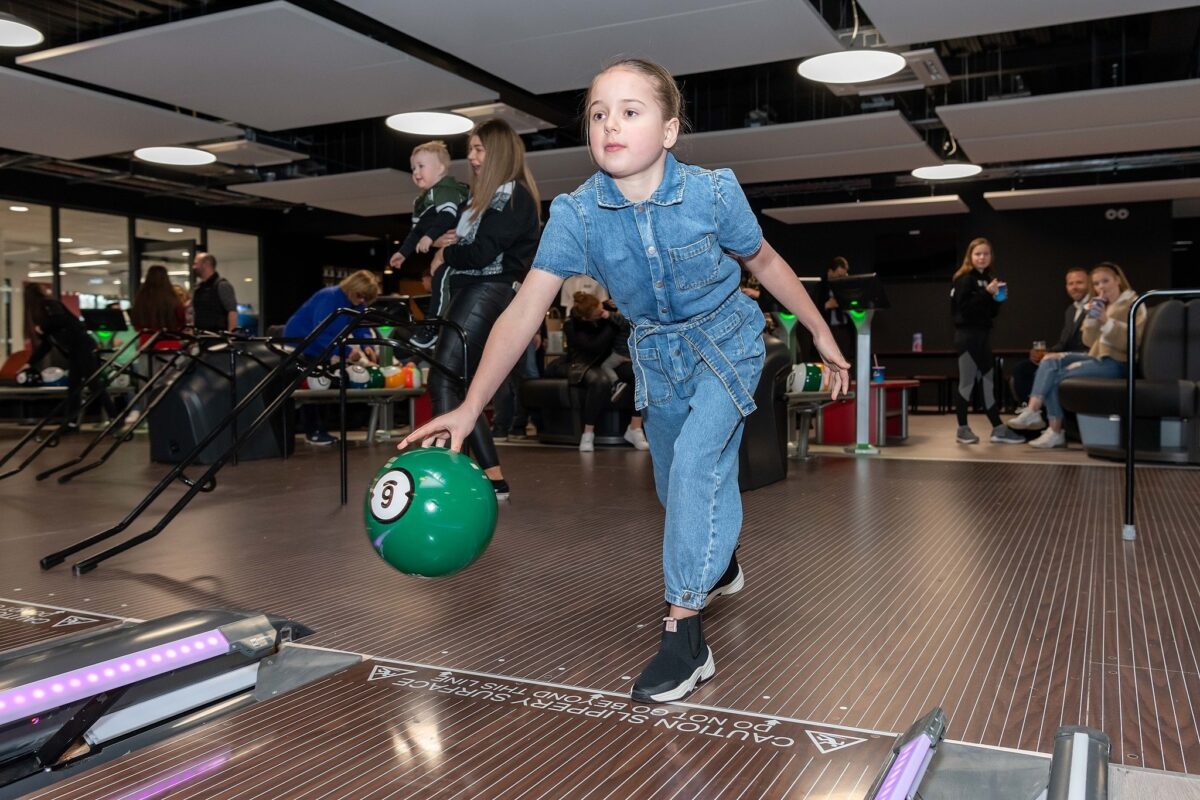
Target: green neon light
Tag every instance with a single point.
(787, 317)
(104, 336)
(385, 331)
(857, 316)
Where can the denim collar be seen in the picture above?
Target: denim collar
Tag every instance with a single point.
(669, 192)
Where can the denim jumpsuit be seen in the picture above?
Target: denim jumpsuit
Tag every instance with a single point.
(696, 342)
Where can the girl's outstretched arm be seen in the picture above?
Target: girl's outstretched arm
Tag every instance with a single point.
(777, 278)
(509, 337)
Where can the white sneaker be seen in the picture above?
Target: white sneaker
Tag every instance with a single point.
(587, 443)
(1049, 439)
(637, 438)
(1027, 420)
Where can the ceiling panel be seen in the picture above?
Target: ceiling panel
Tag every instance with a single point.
(857, 145)
(1156, 116)
(875, 209)
(909, 21)
(549, 47)
(368, 194)
(1134, 192)
(67, 122)
(317, 71)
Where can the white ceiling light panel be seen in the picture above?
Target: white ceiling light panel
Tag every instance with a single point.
(549, 47)
(933, 20)
(317, 71)
(53, 119)
(1126, 119)
(874, 209)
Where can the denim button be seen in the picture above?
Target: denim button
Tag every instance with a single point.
(658, 285)
(663, 310)
(651, 250)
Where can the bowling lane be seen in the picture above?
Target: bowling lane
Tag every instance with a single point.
(388, 729)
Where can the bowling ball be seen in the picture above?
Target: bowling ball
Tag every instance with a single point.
(358, 376)
(808, 378)
(393, 377)
(430, 512)
(54, 376)
(374, 378)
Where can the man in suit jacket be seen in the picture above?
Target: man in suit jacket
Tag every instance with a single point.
(1070, 338)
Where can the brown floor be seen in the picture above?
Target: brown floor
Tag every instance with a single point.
(876, 588)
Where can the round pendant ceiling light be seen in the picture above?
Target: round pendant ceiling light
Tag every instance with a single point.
(15, 32)
(175, 156)
(851, 66)
(948, 171)
(430, 123)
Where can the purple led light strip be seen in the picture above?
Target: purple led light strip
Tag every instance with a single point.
(905, 769)
(43, 695)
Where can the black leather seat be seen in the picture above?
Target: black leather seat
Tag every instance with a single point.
(763, 454)
(561, 406)
(1168, 377)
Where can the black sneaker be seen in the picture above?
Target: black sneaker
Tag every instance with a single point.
(501, 487)
(321, 439)
(683, 662)
(517, 436)
(730, 583)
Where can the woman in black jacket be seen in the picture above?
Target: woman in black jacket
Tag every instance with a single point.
(487, 253)
(55, 326)
(975, 301)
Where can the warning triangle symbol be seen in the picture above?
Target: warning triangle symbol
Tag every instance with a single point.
(827, 742)
(382, 673)
(65, 621)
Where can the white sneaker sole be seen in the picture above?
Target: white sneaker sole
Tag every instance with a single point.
(1001, 440)
(961, 440)
(1032, 426)
(702, 673)
(735, 586)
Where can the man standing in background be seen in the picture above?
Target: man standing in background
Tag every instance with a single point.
(214, 302)
(838, 321)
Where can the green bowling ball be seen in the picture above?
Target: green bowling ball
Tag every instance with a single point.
(375, 379)
(430, 512)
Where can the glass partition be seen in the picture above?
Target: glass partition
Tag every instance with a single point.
(25, 255)
(93, 251)
(237, 262)
(155, 240)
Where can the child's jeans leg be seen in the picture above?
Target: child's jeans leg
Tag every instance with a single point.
(694, 443)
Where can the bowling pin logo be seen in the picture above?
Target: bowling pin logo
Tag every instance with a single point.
(391, 495)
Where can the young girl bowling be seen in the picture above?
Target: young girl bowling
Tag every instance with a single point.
(665, 239)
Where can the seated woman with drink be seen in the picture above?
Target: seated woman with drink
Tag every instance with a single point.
(1105, 332)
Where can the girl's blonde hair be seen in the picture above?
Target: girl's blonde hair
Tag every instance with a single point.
(666, 91)
(437, 147)
(966, 265)
(1122, 281)
(362, 283)
(504, 161)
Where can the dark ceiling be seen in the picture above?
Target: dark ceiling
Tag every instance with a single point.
(1137, 49)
